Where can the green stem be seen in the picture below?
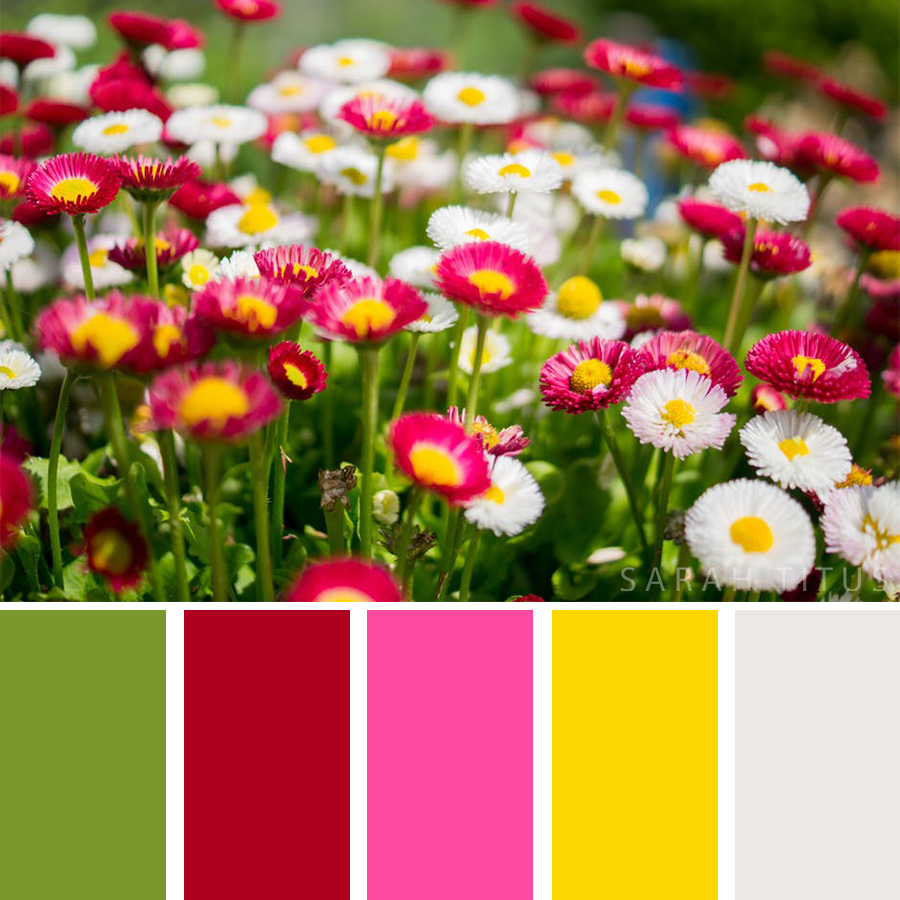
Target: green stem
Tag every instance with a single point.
(662, 508)
(368, 358)
(334, 525)
(511, 203)
(848, 307)
(173, 496)
(453, 374)
(407, 375)
(279, 478)
(328, 408)
(732, 339)
(618, 115)
(81, 241)
(212, 463)
(471, 556)
(452, 538)
(150, 208)
(596, 228)
(11, 323)
(52, 475)
(265, 585)
(375, 211)
(235, 61)
(475, 380)
(415, 498)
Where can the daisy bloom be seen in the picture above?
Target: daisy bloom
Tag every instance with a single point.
(173, 336)
(305, 151)
(510, 441)
(388, 118)
(15, 500)
(696, 352)
(77, 32)
(239, 265)
(450, 226)
(529, 171)
(594, 108)
(652, 116)
(22, 49)
(493, 278)
(288, 92)
(773, 143)
(104, 272)
(251, 307)
(116, 132)
(151, 180)
(348, 61)
(576, 311)
(306, 268)
(198, 267)
(251, 224)
(413, 63)
(466, 97)
(115, 548)
(220, 124)
(212, 401)
(17, 368)
(760, 190)
(851, 98)
(764, 398)
(197, 199)
(415, 265)
(786, 66)
(873, 229)
(142, 29)
(365, 310)
(512, 502)
(647, 254)
(655, 312)
(495, 356)
(574, 82)
(13, 175)
(589, 375)
(625, 62)
(439, 316)
(709, 219)
(774, 253)
(73, 183)
(16, 243)
(862, 525)
(170, 247)
(833, 155)
(439, 456)
(353, 170)
(297, 373)
(544, 25)
(796, 450)
(703, 147)
(751, 535)
(345, 581)
(250, 10)
(610, 193)
(809, 365)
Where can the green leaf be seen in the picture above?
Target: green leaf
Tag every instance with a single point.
(28, 551)
(7, 571)
(91, 493)
(574, 583)
(38, 465)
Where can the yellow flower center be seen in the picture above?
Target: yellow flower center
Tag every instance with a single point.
(494, 493)
(111, 552)
(802, 363)
(490, 282)
(320, 143)
(384, 119)
(110, 336)
(793, 447)
(856, 476)
(883, 537)
(257, 196)
(345, 61)
(354, 175)
(221, 121)
(253, 311)
(98, 257)
(687, 359)
(564, 159)
(198, 274)
(213, 399)
(578, 297)
(291, 90)
(406, 149)
(608, 196)
(486, 356)
(119, 128)
(258, 218)
(342, 595)
(752, 534)
(515, 169)
(588, 374)
(368, 316)
(295, 375)
(161, 245)
(471, 96)
(9, 182)
(7, 371)
(759, 187)
(489, 435)
(635, 68)
(479, 234)
(299, 269)
(434, 466)
(164, 337)
(71, 189)
(678, 413)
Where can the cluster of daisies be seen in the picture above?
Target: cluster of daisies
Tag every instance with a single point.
(396, 272)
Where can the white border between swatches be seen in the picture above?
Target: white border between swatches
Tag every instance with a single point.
(174, 754)
(358, 753)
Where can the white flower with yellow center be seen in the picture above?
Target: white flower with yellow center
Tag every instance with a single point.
(496, 353)
(193, 93)
(648, 254)
(798, 450)
(466, 97)
(752, 536)
(31, 273)
(761, 190)
(531, 171)
(440, 316)
(678, 410)
(512, 502)
(197, 268)
(117, 132)
(104, 272)
(306, 151)
(415, 265)
(610, 193)
(420, 165)
(218, 124)
(352, 171)
(17, 368)
(174, 65)
(252, 224)
(15, 243)
(240, 264)
(576, 312)
(288, 92)
(349, 61)
(450, 226)
(77, 32)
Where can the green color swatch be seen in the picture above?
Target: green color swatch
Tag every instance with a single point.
(82, 755)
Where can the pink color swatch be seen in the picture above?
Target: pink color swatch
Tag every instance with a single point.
(449, 773)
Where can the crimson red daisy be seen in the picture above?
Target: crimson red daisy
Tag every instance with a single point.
(698, 352)
(197, 199)
(809, 365)
(651, 116)
(851, 98)
(380, 116)
(773, 143)
(545, 25)
(875, 229)
(55, 113)
(775, 253)
(710, 219)
(13, 176)
(594, 108)
(562, 81)
(250, 10)
(297, 373)
(23, 48)
(786, 66)
(345, 581)
(9, 100)
(706, 148)
(828, 153)
(306, 268)
(33, 141)
(142, 29)
(412, 63)
(148, 178)
(74, 183)
(631, 64)
(171, 245)
(31, 216)
(115, 548)
(711, 85)
(251, 307)
(15, 499)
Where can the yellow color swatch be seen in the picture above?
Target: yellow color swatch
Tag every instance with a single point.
(635, 755)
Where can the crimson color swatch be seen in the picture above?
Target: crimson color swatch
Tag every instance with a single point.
(267, 755)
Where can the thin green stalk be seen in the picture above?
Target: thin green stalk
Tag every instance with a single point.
(511, 203)
(265, 584)
(732, 339)
(475, 380)
(234, 61)
(400, 402)
(83, 255)
(596, 228)
(173, 497)
(848, 307)
(212, 464)
(663, 507)
(279, 478)
(328, 408)
(368, 359)
(471, 556)
(150, 208)
(10, 322)
(453, 374)
(412, 507)
(618, 115)
(334, 526)
(375, 210)
(52, 475)
(452, 538)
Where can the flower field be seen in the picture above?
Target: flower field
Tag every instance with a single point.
(383, 328)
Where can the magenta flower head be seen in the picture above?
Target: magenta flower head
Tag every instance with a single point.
(388, 118)
(630, 64)
(306, 268)
(698, 352)
(298, 374)
(148, 178)
(345, 581)
(775, 253)
(709, 219)
(874, 229)
(249, 307)
(73, 183)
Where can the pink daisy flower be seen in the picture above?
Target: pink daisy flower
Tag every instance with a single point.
(365, 310)
(439, 456)
(592, 108)
(297, 373)
(345, 581)
(252, 307)
(849, 97)
(56, 114)
(775, 253)
(142, 29)
(708, 149)
(413, 63)
(786, 66)
(22, 49)
(655, 312)
(510, 441)
(171, 246)
(212, 401)
(73, 183)
(831, 154)
(380, 116)
(115, 549)
(174, 336)
(13, 176)
(545, 25)
(689, 350)
(628, 63)
(874, 229)
(15, 499)
(494, 278)
(590, 375)
(809, 365)
(250, 10)
(710, 219)
(651, 116)
(306, 268)
(548, 82)
(772, 143)
(197, 199)
(147, 178)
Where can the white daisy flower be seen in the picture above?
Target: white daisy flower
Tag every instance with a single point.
(17, 368)
(305, 151)
(117, 132)
(558, 134)
(198, 267)
(531, 171)
(678, 410)
(174, 65)
(714, 258)
(348, 61)
(751, 535)
(219, 124)
(762, 190)
(63, 60)
(611, 193)
(288, 92)
(104, 272)
(251, 224)
(73, 87)
(496, 353)
(240, 264)
(31, 273)
(415, 265)
(647, 254)
(357, 269)
(15, 243)
(644, 337)
(77, 32)
(450, 226)
(797, 450)
(420, 165)
(576, 312)
(862, 524)
(512, 502)
(181, 96)
(352, 170)
(457, 97)
(440, 316)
